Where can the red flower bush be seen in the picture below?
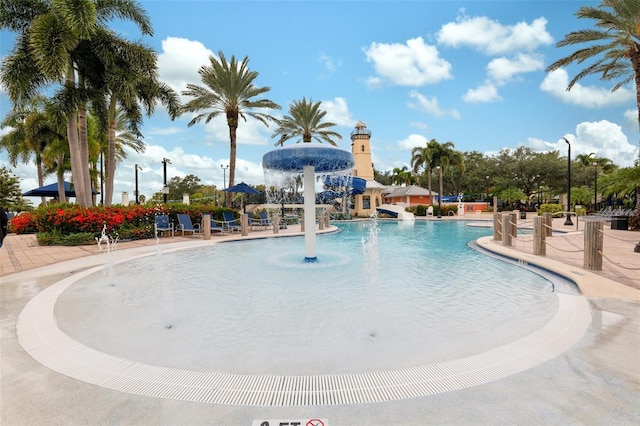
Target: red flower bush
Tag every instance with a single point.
(132, 222)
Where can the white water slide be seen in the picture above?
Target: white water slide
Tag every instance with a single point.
(396, 211)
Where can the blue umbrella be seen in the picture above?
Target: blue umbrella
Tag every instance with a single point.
(51, 190)
(243, 188)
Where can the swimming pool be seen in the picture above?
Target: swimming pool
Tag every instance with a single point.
(419, 296)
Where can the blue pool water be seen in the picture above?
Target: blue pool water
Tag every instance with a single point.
(382, 296)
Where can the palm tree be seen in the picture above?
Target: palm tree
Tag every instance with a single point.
(55, 157)
(618, 55)
(130, 80)
(423, 157)
(229, 91)
(54, 44)
(32, 129)
(305, 122)
(402, 175)
(623, 182)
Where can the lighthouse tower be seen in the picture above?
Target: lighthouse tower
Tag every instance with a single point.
(364, 204)
(361, 150)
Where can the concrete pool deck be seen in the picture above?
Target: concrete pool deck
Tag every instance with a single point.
(597, 381)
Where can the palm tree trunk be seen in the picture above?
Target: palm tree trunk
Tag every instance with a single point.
(110, 168)
(232, 120)
(83, 146)
(429, 182)
(74, 147)
(635, 62)
(60, 175)
(40, 176)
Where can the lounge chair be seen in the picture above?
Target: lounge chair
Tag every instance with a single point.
(230, 222)
(216, 225)
(262, 222)
(185, 225)
(162, 224)
(264, 217)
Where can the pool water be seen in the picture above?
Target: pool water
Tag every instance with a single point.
(383, 296)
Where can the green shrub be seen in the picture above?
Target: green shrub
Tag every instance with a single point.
(58, 239)
(421, 210)
(549, 208)
(444, 210)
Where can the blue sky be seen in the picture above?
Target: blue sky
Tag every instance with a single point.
(468, 72)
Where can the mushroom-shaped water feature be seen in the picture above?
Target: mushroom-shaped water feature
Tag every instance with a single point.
(308, 159)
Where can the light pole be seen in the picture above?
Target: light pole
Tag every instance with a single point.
(224, 181)
(102, 176)
(568, 221)
(538, 179)
(595, 186)
(487, 179)
(137, 195)
(165, 189)
(440, 194)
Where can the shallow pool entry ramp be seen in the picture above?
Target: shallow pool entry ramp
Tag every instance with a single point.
(40, 336)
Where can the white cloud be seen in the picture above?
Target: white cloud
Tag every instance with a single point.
(631, 118)
(250, 132)
(165, 131)
(502, 70)
(603, 138)
(419, 125)
(180, 61)
(556, 82)
(493, 38)
(430, 106)
(412, 64)
(373, 82)
(412, 141)
(338, 112)
(329, 63)
(486, 92)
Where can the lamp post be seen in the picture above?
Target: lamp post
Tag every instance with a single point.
(568, 221)
(283, 223)
(137, 192)
(487, 180)
(595, 185)
(102, 176)
(538, 179)
(440, 194)
(224, 182)
(165, 189)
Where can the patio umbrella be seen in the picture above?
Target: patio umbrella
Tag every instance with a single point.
(51, 190)
(242, 188)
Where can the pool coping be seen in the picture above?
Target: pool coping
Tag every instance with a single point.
(40, 337)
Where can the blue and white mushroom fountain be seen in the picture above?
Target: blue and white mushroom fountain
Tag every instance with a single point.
(309, 159)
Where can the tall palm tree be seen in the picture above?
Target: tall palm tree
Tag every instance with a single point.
(305, 122)
(228, 90)
(423, 157)
(614, 46)
(53, 43)
(130, 81)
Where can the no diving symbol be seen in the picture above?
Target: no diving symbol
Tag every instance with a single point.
(289, 422)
